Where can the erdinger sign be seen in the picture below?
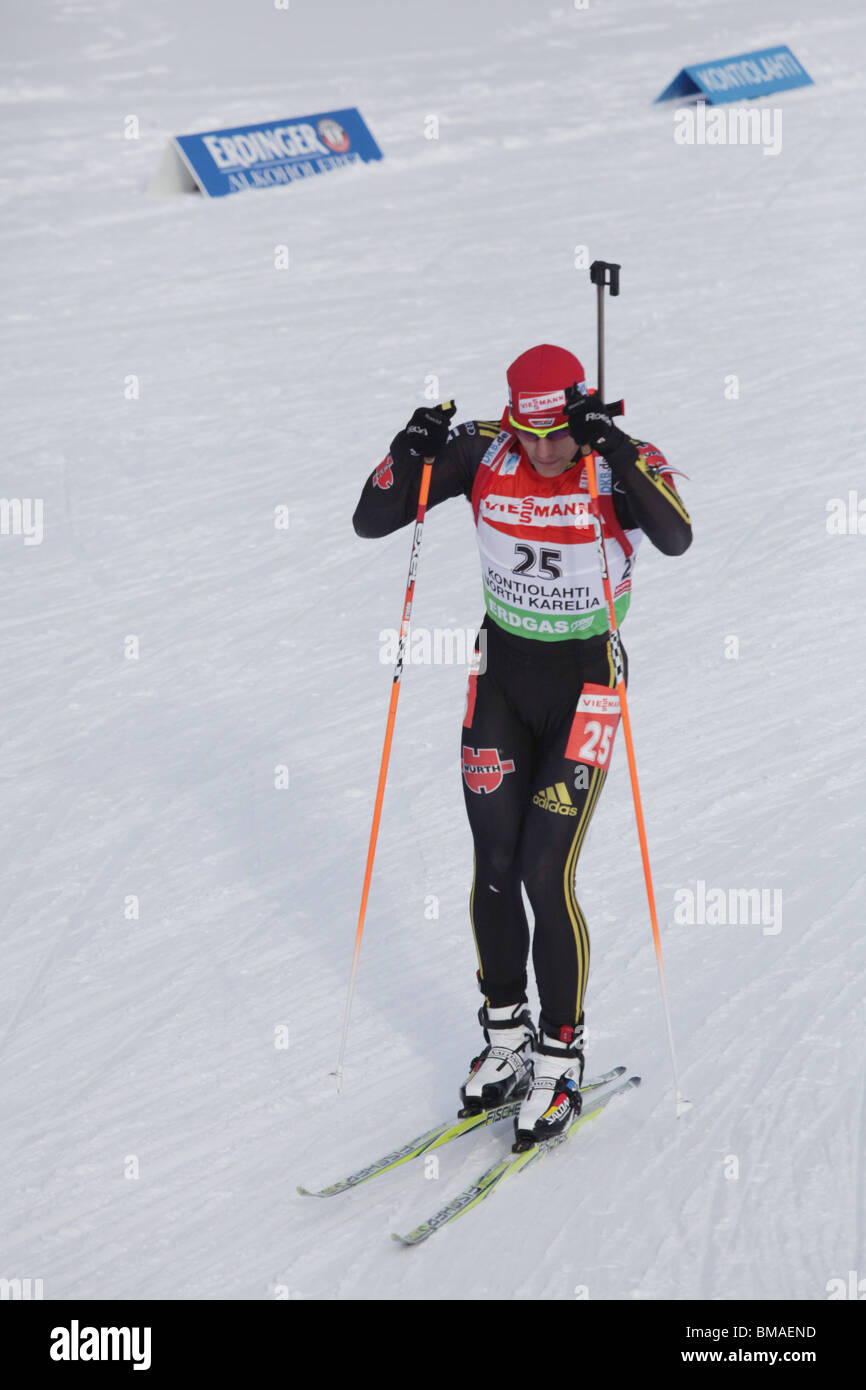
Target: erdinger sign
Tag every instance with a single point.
(273, 153)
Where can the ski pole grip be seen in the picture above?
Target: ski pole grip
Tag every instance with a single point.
(448, 409)
(605, 273)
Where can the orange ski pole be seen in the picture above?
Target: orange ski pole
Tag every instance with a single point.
(426, 471)
(619, 675)
(606, 273)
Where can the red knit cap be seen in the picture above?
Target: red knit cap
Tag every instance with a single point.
(537, 381)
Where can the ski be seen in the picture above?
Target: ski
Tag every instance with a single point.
(506, 1167)
(435, 1138)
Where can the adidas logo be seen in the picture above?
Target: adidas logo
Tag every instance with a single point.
(556, 799)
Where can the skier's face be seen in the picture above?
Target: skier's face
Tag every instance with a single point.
(549, 456)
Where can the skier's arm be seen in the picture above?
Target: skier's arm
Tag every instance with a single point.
(644, 495)
(389, 499)
(643, 492)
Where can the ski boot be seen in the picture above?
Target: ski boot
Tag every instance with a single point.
(503, 1070)
(553, 1100)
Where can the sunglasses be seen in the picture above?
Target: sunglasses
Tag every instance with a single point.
(552, 431)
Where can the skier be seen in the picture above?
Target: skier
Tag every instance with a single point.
(534, 762)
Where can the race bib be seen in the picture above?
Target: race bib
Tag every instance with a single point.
(472, 690)
(590, 739)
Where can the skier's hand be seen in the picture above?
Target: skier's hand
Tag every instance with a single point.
(427, 431)
(591, 423)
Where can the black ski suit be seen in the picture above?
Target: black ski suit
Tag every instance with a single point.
(529, 795)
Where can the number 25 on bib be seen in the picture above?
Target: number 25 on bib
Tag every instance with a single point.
(590, 738)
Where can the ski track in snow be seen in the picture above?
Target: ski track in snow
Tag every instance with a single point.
(151, 1040)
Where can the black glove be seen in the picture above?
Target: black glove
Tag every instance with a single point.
(591, 424)
(427, 431)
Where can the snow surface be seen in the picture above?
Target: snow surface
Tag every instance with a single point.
(149, 1044)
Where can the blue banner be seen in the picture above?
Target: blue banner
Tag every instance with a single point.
(276, 152)
(740, 78)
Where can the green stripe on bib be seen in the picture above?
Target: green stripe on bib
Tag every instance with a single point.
(552, 627)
